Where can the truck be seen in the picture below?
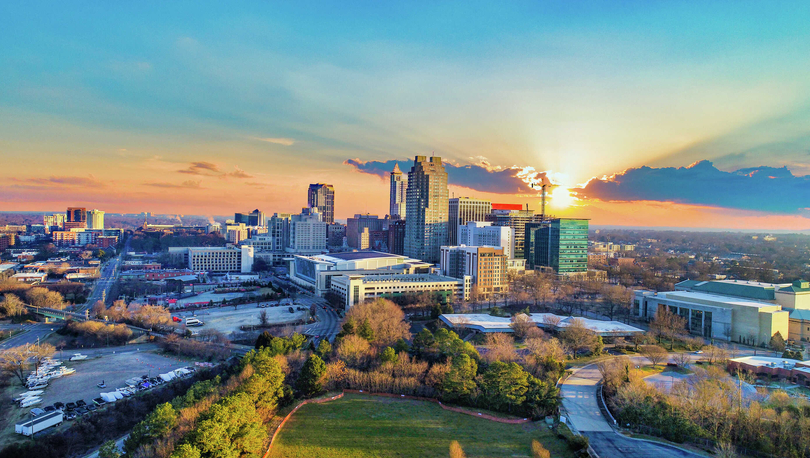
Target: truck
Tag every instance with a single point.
(39, 423)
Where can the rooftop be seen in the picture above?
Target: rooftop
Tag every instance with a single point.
(488, 323)
(716, 298)
(358, 255)
(761, 361)
(739, 288)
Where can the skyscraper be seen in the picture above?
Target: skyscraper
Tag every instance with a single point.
(95, 219)
(76, 218)
(561, 243)
(399, 189)
(463, 210)
(514, 216)
(426, 225)
(322, 197)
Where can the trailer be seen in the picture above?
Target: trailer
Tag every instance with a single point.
(40, 423)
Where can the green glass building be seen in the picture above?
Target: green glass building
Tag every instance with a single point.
(561, 244)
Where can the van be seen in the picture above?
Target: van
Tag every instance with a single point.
(193, 322)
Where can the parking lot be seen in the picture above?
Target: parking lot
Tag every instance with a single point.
(227, 320)
(114, 369)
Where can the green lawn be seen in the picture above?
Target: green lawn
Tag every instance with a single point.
(359, 426)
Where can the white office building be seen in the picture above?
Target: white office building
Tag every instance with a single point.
(215, 259)
(307, 233)
(95, 219)
(478, 233)
(358, 288)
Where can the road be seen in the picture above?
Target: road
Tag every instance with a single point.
(29, 335)
(579, 394)
(108, 277)
(328, 324)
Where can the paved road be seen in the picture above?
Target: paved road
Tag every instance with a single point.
(108, 277)
(29, 335)
(579, 393)
(328, 324)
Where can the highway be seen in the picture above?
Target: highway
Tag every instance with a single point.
(29, 335)
(108, 277)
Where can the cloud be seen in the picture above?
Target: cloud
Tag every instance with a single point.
(239, 173)
(189, 184)
(202, 168)
(768, 189)
(89, 180)
(278, 141)
(480, 177)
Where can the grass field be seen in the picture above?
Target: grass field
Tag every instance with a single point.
(359, 426)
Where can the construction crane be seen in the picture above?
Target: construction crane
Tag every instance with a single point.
(544, 184)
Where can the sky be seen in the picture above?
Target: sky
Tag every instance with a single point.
(675, 114)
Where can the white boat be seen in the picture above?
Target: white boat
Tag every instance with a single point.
(28, 402)
(38, 386)
(78, 357)
(65, 370)
(28, 394)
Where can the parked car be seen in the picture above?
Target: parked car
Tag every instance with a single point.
(99, 401)
(59, 405)
(81, 411)
(292, 310)
(71, 406)
(91, 407)
(80, 403)
(49, 409)
(70, 416)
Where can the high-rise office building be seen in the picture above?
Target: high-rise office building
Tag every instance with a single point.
(396, 237)
(560, 243)
(54, 222)
(426, 224)
(462, 210)
(307, 233)
(335, 234)
(76, 218)
(399, 189)
(516, 217)
(254, 218)
(95, 219)
(355, 227)
(485, 264)
(322, 197)
(477, 233)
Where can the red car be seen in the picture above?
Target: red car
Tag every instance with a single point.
(176, 319)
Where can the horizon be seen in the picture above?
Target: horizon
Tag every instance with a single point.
(676, 115)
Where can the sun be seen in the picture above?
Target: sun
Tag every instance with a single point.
(561, 197)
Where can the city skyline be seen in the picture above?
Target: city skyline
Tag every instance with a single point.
(220, 110)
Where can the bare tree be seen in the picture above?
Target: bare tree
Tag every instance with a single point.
(682, 359)
(500, 347)
(578, 337)
(654, 353)
(12, 305)
(263, 318)
(521, 324)
(14, 361)
(668, 324)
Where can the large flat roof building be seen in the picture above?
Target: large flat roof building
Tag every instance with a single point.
(215, 259)
(358, 288)
(489, 323)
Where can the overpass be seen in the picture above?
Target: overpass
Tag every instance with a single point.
(57, 314)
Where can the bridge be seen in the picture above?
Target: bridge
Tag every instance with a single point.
(57, 314)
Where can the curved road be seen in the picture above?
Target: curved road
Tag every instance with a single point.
(579, 393)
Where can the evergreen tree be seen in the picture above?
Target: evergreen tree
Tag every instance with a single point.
(264, 340)
(309, 382)
(459, 382)
(388, 355)
(365, 331)
(324, 349)
(504, 386)
(109, 450)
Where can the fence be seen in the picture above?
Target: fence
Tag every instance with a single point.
(701, 442)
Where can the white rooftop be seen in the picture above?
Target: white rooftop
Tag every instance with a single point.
(716, 298)
(488, 323)
(768, 361)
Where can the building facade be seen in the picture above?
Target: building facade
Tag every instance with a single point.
(560, 244)
(427, 202)
(322, 197)
(487, 266)
(215, 259)
(398, 192)
(95, 219)
(396, 237)
(356, 289)
(76, 218)
(359, 227)
(516, 217)
(254, 218)
(476, 233)
(307, 233)
(462, 210)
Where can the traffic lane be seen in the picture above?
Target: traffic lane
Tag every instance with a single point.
(579, 399)
(612, 444)
(29, 336)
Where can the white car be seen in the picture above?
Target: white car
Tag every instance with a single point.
(78, 357)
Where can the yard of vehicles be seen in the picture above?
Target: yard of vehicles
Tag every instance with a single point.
(59, 411)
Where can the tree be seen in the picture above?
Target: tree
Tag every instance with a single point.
(186, 451)
(500, 347)
(14, 362)
(39, 352)
(578, 337)
(459, 382)
(310, 380)
(365, 331)
(109, 450)
(682, 359)
(456, 450)
(324, 349)
(263, 318)
(264, 340)
(12, 305)
(668, 324)
(353, 350)
(654, 353)
(504, 386)
(386, 320)
(156, 425)
(422, 341)
(542, 397)
(521, 324)
(777, 342)
(538, 451)
(388, 355)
